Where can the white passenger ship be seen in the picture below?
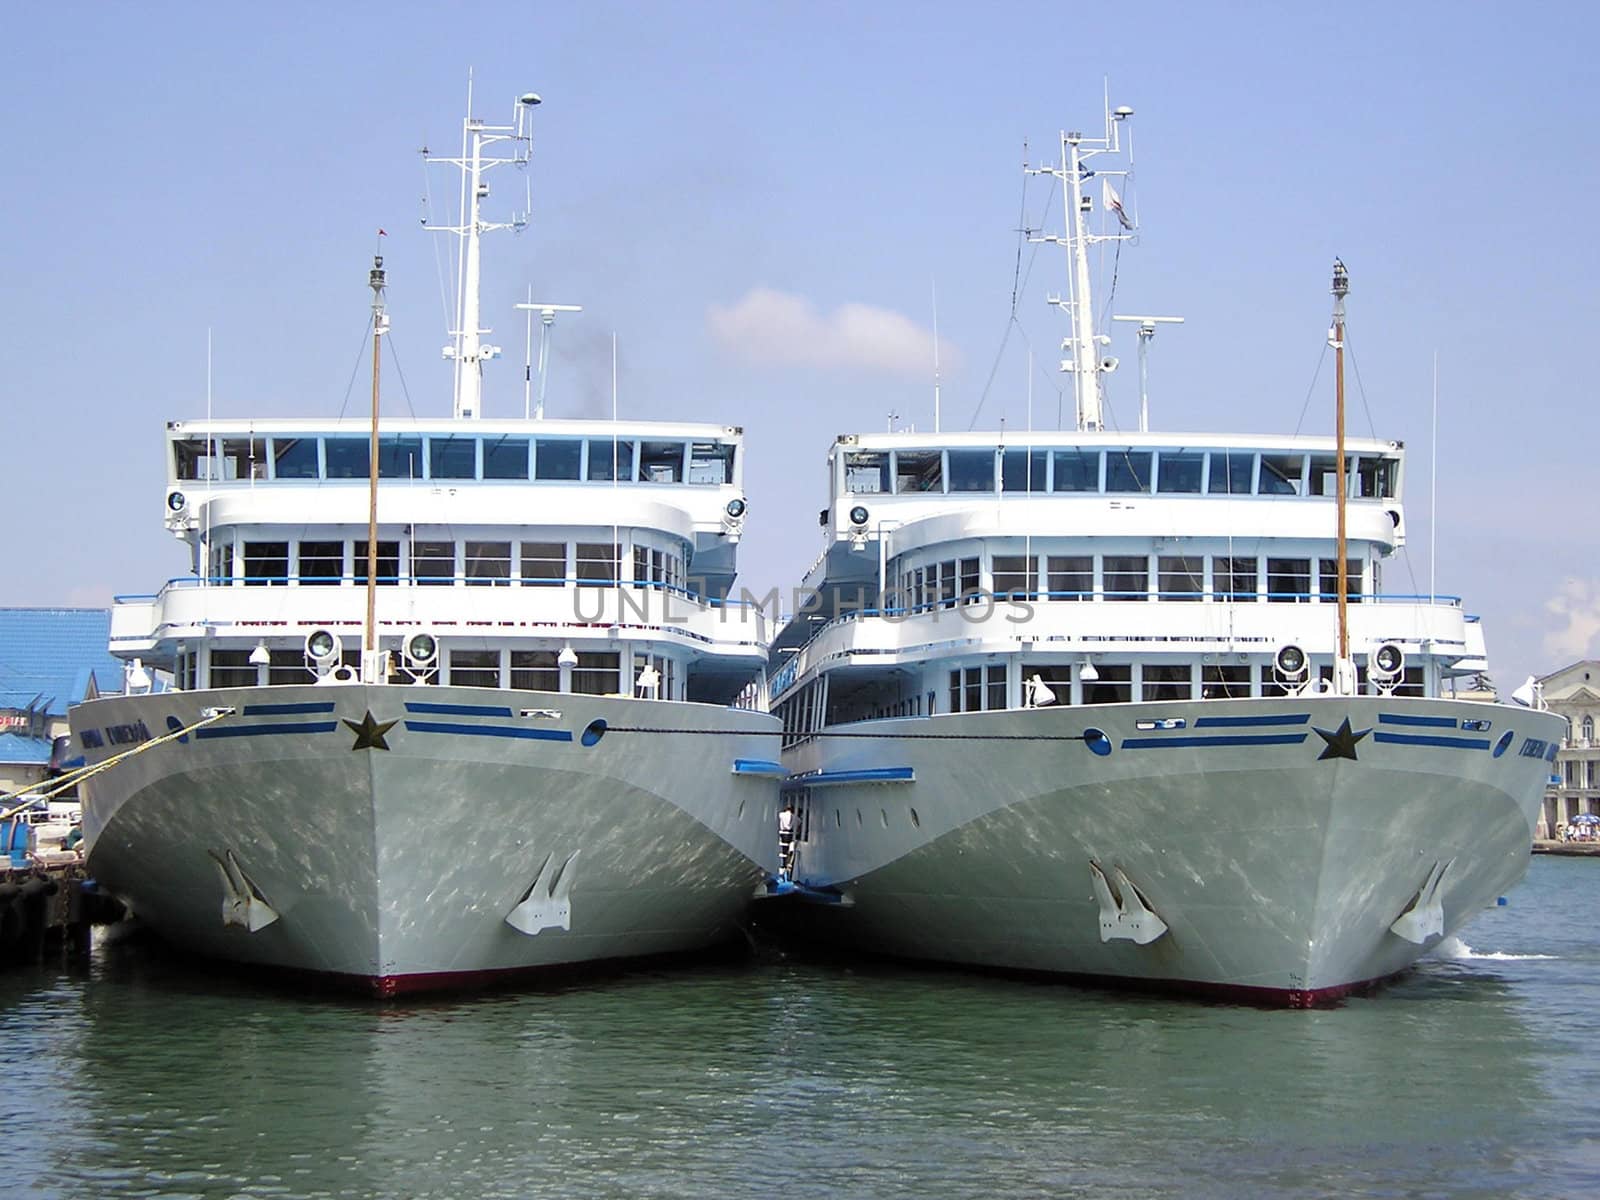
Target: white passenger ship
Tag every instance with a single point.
(428, 724)
(1090, 704)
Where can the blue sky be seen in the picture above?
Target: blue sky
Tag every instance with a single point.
(173, 169)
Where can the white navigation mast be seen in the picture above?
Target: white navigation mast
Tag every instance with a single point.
(1085, 363)
(468, 350)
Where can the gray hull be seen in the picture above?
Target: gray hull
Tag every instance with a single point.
(479, 842)
(1277, 873)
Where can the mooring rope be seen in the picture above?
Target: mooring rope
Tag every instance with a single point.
(62, 782)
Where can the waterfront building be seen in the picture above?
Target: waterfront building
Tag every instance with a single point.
(50, 659)
(1573, 692)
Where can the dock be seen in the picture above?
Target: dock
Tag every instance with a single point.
(1568, 849)
(47, 908)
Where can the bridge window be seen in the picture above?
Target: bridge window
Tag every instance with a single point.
(244, 458)
(1076, 471)
(971, 470)
(1128, 471)
(1281, 474)
(505, 458)
(1024, 470)
(1375, 478)
(661, 462)
(1324, 479)
(866, 471)
(1231, 473)
(1179, 472)
(399, 458)
(294, 458)
(710, 462)
(610, 460)
(453, 457)
(558, 459)
(918, 471)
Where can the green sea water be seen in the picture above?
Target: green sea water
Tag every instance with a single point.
(135, 1073)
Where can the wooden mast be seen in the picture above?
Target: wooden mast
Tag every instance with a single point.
(1341, 288)
(369, 640)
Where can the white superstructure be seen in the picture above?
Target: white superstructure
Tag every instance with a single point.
(1083, 702)
(490, 711)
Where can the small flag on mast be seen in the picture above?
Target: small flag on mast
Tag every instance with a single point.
(383, 233)
(1113, 203)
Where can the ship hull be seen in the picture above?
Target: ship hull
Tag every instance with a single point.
(1277, 859)
(402, 839)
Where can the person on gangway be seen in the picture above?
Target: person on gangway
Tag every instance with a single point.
(785, 840)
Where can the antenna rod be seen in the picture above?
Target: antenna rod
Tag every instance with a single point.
(936, 356)
(1085, 371)
(1341, 288)
(1147, 330)
(380, 322)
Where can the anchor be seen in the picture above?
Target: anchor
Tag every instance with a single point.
(242, 902)
(1424, 919)
(547, 904)
(1124, 915)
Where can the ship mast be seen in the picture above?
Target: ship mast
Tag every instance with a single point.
(468, 350)
(1073, 172)
(1341, 288)
(370, 670)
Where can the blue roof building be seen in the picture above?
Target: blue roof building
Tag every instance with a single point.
(52, 658)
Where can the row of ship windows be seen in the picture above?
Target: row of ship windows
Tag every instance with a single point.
(1165, 472)
(428, 562)
(454, 457)
(1125, 577)
(596, 673)
(987, 688)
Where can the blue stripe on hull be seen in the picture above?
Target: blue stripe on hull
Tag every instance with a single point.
(1260, 739)
(459, 710)
(231, 731)
(1431, 722)
(1227, 722)
(500, 731)
(1414, 739)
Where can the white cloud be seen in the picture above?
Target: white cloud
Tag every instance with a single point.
(1577, 604)
(775, 328)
